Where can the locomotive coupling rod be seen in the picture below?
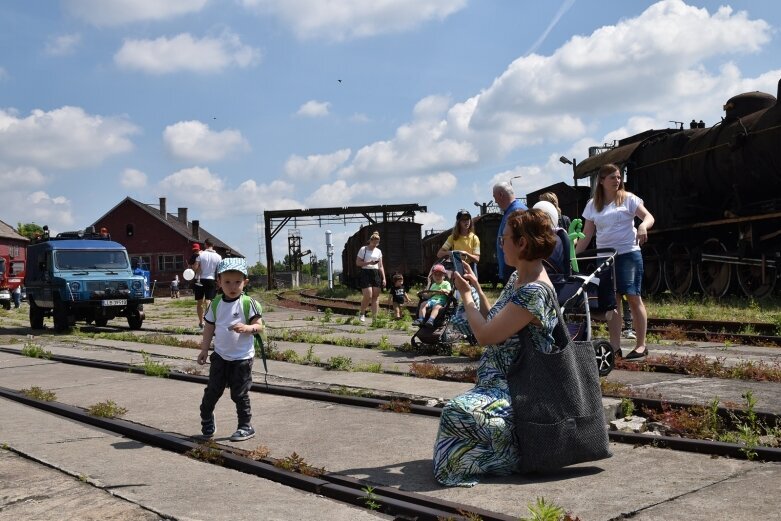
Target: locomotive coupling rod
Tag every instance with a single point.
(762, 263)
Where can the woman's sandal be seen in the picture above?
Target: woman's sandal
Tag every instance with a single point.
(634, 355)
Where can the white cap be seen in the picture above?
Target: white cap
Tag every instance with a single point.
(548, 208)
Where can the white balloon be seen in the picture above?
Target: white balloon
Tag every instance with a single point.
(188, 274)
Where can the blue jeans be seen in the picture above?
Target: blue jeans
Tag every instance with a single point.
(629, 273)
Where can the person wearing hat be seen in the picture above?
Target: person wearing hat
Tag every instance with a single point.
(231, 323)
(463, 239)
(439, 290)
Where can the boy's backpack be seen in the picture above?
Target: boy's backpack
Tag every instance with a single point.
(246, 303)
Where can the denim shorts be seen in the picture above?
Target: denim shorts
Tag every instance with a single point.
(629, 273)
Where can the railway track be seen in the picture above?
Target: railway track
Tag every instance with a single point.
(745, 333)
(732, 450)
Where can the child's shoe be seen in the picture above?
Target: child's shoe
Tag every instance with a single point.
(243, 433)
(417, 322)
(429, 323)
(208, 427)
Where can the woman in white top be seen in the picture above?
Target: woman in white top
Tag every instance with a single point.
(611, 214)
(372, 276)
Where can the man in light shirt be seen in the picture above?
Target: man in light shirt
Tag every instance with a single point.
(206, 266)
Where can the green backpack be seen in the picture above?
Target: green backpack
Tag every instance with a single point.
(246, 303)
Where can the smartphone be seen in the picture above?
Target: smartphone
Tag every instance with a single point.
(458, 264)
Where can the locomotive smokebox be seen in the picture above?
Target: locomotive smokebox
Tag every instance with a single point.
(744, 104)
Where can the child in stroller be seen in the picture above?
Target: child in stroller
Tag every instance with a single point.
(449, 324)
(439, 292)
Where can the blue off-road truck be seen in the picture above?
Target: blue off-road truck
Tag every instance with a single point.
(82, 276)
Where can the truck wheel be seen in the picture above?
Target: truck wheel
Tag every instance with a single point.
(60, 316)
(101, 322)
(36, 316)
(135, 319)
(7, 305)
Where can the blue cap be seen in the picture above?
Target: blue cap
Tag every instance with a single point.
(232, 264)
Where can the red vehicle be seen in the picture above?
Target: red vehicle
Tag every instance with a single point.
(12, 267)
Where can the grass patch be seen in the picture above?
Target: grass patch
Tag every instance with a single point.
(35, 351)
(157, 339)
(400, 406)
(107, 409)
(739, 309)
(347, 391)
(295, 463)
(36, 393)
(368, 367)
(339, 363)
(153, 368)
(207, 451)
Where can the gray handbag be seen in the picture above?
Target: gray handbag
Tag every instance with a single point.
(557, 402)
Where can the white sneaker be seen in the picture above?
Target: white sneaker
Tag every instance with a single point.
(363, 318)
(629, 333)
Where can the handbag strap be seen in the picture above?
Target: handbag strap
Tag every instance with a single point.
(560, 334)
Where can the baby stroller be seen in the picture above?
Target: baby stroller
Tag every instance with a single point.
(587, 294)
(450, 326)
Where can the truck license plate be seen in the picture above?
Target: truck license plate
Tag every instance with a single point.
(115, 302)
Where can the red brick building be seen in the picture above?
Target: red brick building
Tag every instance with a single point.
(13, 251)
(161, 241)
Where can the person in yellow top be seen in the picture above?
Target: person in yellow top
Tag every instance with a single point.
(464, 240)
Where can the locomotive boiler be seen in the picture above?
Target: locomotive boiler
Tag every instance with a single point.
(715, 193)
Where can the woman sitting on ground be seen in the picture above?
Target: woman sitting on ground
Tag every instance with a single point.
(475, 434)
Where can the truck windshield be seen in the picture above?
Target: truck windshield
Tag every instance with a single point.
(91, 260)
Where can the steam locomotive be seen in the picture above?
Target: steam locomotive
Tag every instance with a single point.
(715, 193)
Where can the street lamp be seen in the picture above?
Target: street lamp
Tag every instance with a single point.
(574, 163)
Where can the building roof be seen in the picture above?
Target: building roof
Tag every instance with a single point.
(173, 222)
(8, 232)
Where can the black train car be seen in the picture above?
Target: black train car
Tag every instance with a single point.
(400, 243)
(486, 226)
(716, 196)
(572, 199)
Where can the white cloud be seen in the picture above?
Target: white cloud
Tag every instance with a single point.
(194, 141)
(212, 197)
(63, 138)
(63, 44)
(651, 65)
(185, 53)
(116, 12)
(3, 74)
(314, 109)
(347, 19)
(41, 208)
(20, 178)
(131, 178)
(359, 117)
(315, 166)
(340, 193)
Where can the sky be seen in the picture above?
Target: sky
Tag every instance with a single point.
(233, 107)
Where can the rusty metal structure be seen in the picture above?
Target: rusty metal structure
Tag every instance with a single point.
(275, 220)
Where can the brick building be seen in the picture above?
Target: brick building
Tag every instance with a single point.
(161, 241)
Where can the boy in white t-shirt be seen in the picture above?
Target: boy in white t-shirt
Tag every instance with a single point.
(232, 323)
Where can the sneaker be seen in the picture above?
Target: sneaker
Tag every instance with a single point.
(629, 333)
(208, 427)
(429, 323)
(200, 325)
(363, 318)
(243, 433)
(417, 322)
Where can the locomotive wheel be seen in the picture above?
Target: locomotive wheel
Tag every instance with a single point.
(678, 269)
(652, 271)
(714, 277)
(750, 281)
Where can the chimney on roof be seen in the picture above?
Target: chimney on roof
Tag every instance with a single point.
(183, 216)
(162, 208)
(196, 229)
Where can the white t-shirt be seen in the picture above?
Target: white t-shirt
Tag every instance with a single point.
(615, 225)
(365, 254)
(227, 343)
(209, 260)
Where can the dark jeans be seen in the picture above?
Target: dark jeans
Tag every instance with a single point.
(237, 375)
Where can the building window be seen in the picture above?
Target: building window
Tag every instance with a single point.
(13, 251)
(142, 261)
(170, 262)
(17, 267)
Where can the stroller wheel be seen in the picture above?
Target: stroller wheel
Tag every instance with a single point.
(606, 358)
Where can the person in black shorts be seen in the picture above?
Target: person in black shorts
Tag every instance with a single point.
(206, 268)
(398, 296)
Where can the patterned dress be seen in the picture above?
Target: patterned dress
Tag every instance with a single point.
(476, 428)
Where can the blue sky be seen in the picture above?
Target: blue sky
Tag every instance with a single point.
(233, 107)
